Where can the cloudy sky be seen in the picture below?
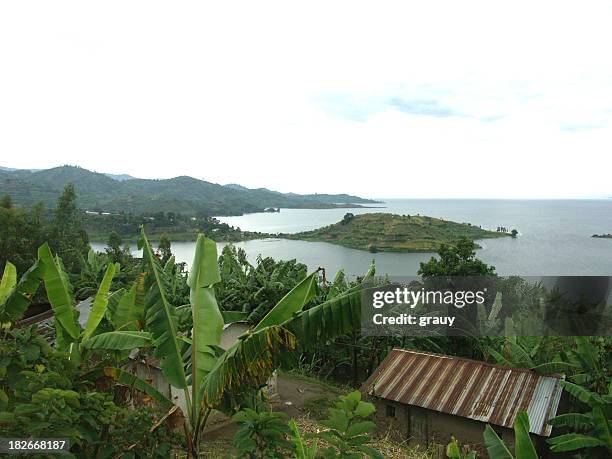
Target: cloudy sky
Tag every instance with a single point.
(382, 99)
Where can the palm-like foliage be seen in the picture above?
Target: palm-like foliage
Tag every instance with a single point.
(590, 430)
(213, 373)
(523, 447)
(15, 296)
(144, 317)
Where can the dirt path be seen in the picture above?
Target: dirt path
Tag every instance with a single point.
(296, 397)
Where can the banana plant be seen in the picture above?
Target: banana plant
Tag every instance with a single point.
(589, 431)
(209, 374)
(144, 317)
(70, 335)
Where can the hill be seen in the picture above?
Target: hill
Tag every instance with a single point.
(187, 195)
(379, 232)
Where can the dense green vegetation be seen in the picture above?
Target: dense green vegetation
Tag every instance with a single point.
(181, 195)
(22, 231)
(177, 227)
(379, 232)
(80, 388)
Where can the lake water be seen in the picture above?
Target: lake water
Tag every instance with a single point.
(554, 236)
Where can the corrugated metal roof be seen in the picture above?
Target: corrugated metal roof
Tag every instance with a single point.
(467, 388)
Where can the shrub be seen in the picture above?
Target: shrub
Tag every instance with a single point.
(262, 434)
(348, 429)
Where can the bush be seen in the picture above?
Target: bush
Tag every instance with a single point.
(348, 429)
(262, 434)
(42, 395)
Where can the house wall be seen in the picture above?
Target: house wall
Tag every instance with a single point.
(422, 427)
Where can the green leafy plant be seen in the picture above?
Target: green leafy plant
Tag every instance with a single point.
(190, 358)
(455, 451)
(302, 449)
(591, 430)
(262, 434)
(348, 429)
(523, 448)
(43, 395)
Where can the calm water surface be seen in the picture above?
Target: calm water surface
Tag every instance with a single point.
(555, 236)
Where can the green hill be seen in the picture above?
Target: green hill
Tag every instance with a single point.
(99, 192)
(379, 232)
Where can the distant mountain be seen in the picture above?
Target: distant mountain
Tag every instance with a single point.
(187, 195)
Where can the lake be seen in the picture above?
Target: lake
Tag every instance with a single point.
(554, 236)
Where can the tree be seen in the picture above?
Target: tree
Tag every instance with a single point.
(457, 260)
(165, 248)
(21, 232)
(348, 217)
(6, 201)
(113, 247)
(68, 237)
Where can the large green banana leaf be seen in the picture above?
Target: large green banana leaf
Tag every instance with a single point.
(19, 298)
(573, 442)
(161, 320)
(582, 394)
(8, 282)
(59, 294)
(207, 319)
(247, 364)
(292, 302)
(523, 448)
(495, 446)
(129, 312)
(327, 320)
(119, 340)
(98, 308)
(574, 421)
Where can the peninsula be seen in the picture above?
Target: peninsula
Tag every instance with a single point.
(381, 232)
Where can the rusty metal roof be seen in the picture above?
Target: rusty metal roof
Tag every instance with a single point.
(468, 388)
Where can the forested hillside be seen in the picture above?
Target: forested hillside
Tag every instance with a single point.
(99, 192)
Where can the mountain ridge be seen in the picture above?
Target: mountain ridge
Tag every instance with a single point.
(101, 192)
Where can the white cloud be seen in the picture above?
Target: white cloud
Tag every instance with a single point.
(391, 99)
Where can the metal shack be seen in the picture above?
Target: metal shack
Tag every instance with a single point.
(427, 398)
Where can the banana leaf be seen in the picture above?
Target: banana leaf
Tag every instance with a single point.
(19, 298)
(292, 302)
(495, 446)
(98, 308)
(247, 364)
(160, 319)
(8, 282)
(207, 319)
(130, 308)
(58, 292)
(253, 358)
(128, 379)
(119, 340)
(573, 442)
(523, 448)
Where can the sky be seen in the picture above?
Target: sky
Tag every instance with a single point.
(381, 99)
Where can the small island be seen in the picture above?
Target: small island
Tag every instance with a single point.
(603, 236)
(380, 232)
